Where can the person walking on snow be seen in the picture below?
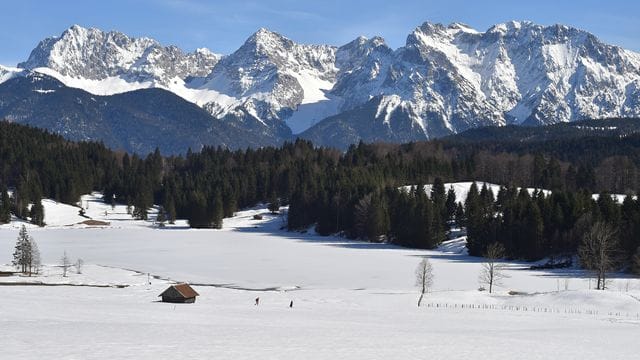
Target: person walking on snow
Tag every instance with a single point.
(257, 301)
(291, 304)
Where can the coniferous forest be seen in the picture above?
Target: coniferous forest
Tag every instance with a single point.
(371, 191)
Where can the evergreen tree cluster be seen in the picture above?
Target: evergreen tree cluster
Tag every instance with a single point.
(535, 225)
(371, 191)
(37, 165)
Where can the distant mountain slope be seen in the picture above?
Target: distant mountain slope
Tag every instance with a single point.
(136, 121)
(615, 128)
(365, 123)
(446, 79)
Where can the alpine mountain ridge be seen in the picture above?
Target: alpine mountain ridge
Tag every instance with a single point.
(445, 80)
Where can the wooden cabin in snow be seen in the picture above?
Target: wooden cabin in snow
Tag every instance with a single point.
(180, 293)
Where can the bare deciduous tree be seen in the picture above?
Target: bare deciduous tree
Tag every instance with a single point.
(598, 251)
(65, 263)
(79, 264)
(424, 277)
(36, 262)
(492, 271)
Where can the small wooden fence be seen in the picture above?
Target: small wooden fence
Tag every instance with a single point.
(533, 309)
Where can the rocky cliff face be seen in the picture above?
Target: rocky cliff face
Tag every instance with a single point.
(92, 54)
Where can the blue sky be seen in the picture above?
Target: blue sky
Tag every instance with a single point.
(222, 26)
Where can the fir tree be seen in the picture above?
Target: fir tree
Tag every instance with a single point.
(161, 218)
(26, 255)
(217, 213)
(5, 206)
(171, 211)
(274, 204)
(474, 219)
(37, 212)
(450, 204)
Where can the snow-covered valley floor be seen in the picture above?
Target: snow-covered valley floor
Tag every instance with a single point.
(352, 300)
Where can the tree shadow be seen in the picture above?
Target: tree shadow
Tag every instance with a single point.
(272, 226)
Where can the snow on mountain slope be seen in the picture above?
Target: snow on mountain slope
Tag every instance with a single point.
(553, 72)
(108, 63)
(271, 76)
(106, 86)
(446, 79)
(7, 73)
(95, 55)
(116, 85)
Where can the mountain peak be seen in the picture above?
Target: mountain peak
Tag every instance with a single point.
(458, 26)
(75, 28)
(79, 29)
(264, 34)
(428, 28)
(512, 26)
(363, 41)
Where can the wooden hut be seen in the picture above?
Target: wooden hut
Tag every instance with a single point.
(180, 293)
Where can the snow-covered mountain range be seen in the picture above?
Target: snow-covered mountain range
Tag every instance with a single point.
(446, 79)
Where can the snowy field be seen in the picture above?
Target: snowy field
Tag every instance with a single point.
(352, 300)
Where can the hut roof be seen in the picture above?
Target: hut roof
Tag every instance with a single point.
(183, 289)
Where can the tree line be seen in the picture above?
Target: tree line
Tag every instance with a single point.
(355, 193)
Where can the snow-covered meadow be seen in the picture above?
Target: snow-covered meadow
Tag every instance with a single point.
(351, 299)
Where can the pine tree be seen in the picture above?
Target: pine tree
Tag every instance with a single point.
(37, 212)
(474, 219)
(450, 204)
(230, 204)
(217, 213)
(372, 218)
(161, 218)
(533, 232)
(141, 205)
(20, 250)
(26, 252)
(635, 262)
(140, 212)
(274, 204)
(438, 193)
(5, 206)
(171, 211)
(459, 215)
(198, 211)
